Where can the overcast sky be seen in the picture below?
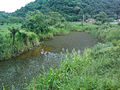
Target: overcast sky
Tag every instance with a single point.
(12, 5)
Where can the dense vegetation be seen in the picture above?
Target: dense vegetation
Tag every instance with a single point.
(73, 10)
(18, 37)
(7, 18)
(15, 40)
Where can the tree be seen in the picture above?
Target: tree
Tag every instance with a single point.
(35, 22)
(102, 16)
(55, 18)
(13, 33)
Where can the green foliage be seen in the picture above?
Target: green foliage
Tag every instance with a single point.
(55, 18)
(76, 26)
(14, 40)
(56, 30)
(12, 19)
(97, 23)
(35, 22)
(95, 69)
(102, 16)
(13, 31)
(119, 23)
(3, 18)
(6, 18)
(17, 41)
(4, 47)
(73, 10)
(28, 38)
(107, 33)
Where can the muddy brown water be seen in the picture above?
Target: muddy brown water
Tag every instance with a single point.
(22, 69)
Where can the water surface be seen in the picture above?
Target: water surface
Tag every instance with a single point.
(22, 69)
(76, 40)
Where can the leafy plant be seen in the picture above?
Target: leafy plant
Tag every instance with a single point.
(13, 31)
(35, 22)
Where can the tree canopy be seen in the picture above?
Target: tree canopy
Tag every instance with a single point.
(35, 21)
(102, 16)
(73, 10)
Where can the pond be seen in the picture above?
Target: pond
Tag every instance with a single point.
(23, 68)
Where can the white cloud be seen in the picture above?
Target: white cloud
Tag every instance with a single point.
(12, 5)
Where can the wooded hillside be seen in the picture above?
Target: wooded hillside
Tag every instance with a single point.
(73, 10)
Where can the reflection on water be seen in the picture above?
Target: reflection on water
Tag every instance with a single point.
(22, 69)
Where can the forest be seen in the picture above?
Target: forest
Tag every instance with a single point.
(95, 67)
(73, 10)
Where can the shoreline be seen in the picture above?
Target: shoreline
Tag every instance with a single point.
(28, 48)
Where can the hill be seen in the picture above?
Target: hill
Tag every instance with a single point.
(73, 10)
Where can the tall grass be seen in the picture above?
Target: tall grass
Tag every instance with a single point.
(95, 69)
(23, 41)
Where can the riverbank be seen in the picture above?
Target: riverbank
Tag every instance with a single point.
(98, 68)
(30, 64)
(26, 40)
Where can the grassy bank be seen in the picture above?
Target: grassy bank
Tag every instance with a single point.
(97, 68)
(24, 39)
